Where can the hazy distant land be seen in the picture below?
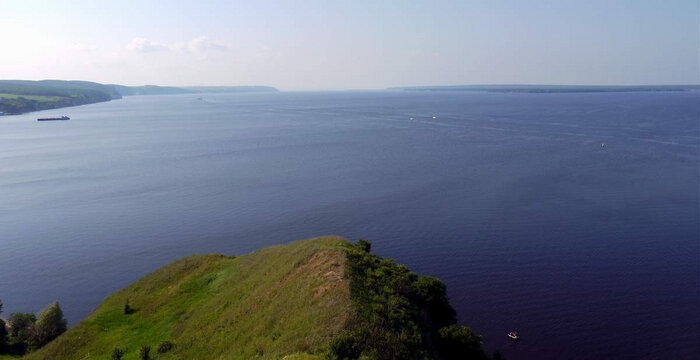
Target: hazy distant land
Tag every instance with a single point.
(551, 88)
(21, 96)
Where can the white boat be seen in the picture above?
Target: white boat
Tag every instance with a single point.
(514, 335)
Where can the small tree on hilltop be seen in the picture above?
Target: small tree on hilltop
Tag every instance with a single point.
(165, 346)
(127, 308)
(50, 324)
(144, 352)
(364, 245)
(117, 354)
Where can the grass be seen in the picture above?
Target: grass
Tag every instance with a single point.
(31, 97)
(21, 96)
(313, 299)
(284, 301)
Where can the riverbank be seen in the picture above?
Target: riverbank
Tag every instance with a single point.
(23, 96)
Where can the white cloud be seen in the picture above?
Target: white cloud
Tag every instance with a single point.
(204, 44)
(201, 46)
(143, 45)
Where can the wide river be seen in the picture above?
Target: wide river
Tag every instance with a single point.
(571, 218)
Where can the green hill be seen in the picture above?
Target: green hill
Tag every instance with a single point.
(20, 96)
(311, 299)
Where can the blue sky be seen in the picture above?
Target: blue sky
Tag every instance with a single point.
(352, 44)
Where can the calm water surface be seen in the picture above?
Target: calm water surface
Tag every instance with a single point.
(571, 218)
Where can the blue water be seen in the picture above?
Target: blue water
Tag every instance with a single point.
(571, 218)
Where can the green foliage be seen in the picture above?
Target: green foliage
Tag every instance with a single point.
(459, 342)
(3, 335)
(431, 293)
(117, 354)
(3, 331)
(304, 300)
(21, 322)
(397, 313)
(364, 245)
(19, 96)
(127, 308)
(144, 352)
(29, 97)
(49, 324)
(282, 301)
(345, 346)
(22, 332)
(29, 333)
(165, 346)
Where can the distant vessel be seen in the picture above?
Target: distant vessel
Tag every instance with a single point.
(514, 335)
(53, 118)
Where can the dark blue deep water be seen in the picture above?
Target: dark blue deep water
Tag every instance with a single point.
(571, 218)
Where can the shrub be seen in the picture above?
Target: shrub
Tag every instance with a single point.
(144, 352)
(364, 245)
(49, 324)
(3, 335)
(165, 346)
(432, 295)
(19, 322)
(127, 308)
(459, 342)
(117, 354)
(399, 315)
(344, 347)
(23, 331)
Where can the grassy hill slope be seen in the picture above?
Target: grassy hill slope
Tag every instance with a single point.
(276, 302)
(20, 96)
(321, 298)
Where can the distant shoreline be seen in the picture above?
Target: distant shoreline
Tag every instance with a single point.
(552, 88)
(24, 96)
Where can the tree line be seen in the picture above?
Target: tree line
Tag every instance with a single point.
(25, 332)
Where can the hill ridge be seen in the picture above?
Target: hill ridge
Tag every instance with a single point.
(320, 298)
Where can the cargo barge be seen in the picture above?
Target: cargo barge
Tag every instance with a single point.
(53, 118)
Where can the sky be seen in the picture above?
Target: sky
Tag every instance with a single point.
(354, 44)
